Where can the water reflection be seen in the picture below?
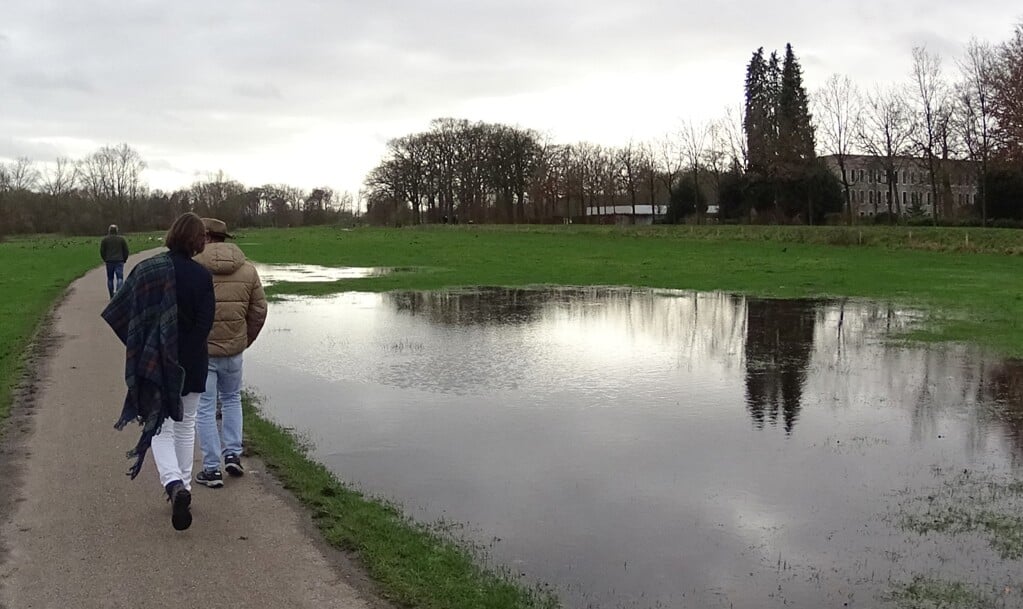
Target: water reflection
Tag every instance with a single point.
(621, 443)
(779, 341)
(270, 274)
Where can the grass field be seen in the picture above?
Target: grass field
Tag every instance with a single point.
(33, 272)
(967, 279)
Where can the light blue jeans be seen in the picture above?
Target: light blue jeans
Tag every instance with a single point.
(223, 381)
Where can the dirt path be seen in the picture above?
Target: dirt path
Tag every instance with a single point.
(76, 532)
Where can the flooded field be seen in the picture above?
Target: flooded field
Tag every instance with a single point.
(638, 448)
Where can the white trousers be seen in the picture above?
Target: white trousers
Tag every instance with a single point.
(174, 447)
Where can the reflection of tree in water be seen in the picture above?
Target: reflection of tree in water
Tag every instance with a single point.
(494, 306)
(1003, 386)
(779, 343)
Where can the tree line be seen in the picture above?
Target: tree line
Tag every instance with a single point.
(106, 187)
(766, 161)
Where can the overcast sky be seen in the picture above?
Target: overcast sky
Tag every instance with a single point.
(308, 92)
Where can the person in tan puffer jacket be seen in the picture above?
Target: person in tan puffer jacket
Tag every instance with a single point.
(240, 315)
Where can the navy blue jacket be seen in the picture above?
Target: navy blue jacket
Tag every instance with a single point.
(196, 306)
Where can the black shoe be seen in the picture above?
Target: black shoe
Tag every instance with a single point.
(233, 466)
(211, 478)
(181, 500)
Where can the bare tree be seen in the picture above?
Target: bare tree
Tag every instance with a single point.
(112, 176)
(629, 162)
(930, 104)
(670, 161)
(717, 157)
(886, 133)
(1007, 99)
(218, 196)
(60, 179)
(735, 135)
(838, 114)
(973, 119)
(21, 174)
(694, 145)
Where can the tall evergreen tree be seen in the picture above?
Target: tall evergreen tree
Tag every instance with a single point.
(796, 146)
(757, 120)
(779, 134)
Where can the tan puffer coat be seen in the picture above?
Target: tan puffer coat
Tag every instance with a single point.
(241, 303)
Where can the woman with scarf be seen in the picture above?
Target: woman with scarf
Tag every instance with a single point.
(163, 315)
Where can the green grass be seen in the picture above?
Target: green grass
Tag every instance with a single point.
(415, 565)
(973, 296)
(34, 271)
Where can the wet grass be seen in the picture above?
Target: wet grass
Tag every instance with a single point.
(34, 271)
(927, 593)
(415, 565)
(972, 504)
(972, 292)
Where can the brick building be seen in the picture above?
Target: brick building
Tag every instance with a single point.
(869, 192)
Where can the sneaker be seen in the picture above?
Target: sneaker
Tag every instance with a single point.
(211, 478)
(181, 500)
(233, 465)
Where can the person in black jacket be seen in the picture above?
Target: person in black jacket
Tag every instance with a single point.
(114, 252)
(164, 314)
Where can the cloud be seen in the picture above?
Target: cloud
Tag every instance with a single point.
(52, 82)
(260, 91)
(14, 148)
(241, 80)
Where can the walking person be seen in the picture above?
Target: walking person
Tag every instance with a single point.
(163, 314)
(240, 315)
(113, 249)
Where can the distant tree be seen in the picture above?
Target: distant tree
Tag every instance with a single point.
(732, 130)
(733, 196)
(669, 162)
(931, 99)
(22, 174)
(838, 116)
(686, 200)
(1007, 99)
(796, 147)
(218, 196)
(759, 121)
(1005, 191)
(112, 178)
(629, 162)
(974, 119)
(886, 133)
(694, 147)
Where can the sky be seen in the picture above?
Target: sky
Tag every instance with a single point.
(308, 93)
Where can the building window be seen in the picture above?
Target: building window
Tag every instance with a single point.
(861, 175)
(928, 198)
(872, 196)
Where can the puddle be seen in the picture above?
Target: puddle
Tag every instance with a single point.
(270, 274)
(639, 448)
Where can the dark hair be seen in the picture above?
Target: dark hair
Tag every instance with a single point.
(187, 235)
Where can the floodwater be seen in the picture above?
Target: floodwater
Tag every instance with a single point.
(303, 273)
(636, 448)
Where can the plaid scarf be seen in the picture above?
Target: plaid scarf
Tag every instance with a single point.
(144, 315)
